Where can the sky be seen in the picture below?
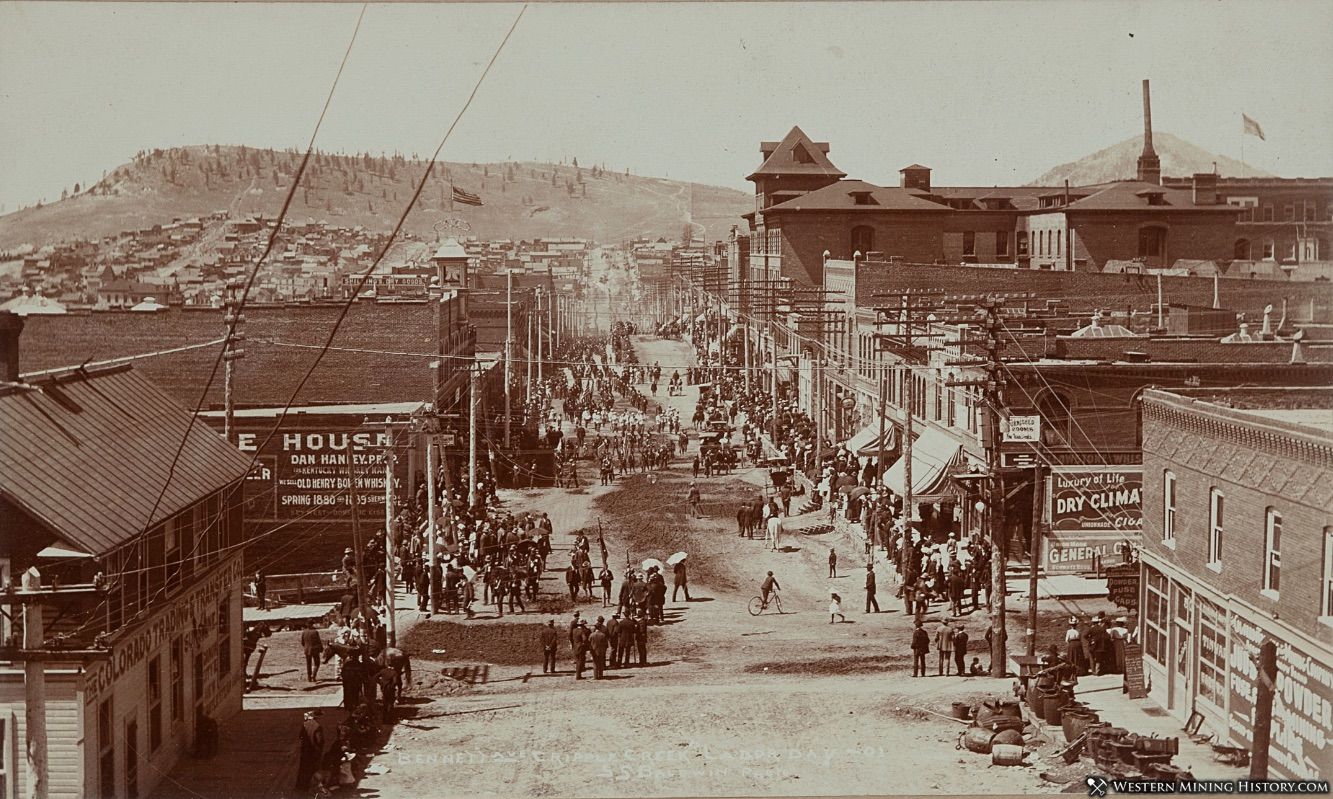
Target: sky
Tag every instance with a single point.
(984, 92)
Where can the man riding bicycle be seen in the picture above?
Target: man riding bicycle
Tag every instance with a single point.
(768, 586)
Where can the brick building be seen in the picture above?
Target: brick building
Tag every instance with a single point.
(1233, 481)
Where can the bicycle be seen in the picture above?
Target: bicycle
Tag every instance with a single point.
(758, 605)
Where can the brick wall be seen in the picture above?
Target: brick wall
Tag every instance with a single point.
(916, 236)
(1084, 292)
(1197, 236)
(1256, 466)
(268, 374)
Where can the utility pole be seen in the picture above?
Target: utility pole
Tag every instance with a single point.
(994, 400)
(1034, 550)
(34, 683)
(540, 334)
(474, 388)
(509, 351)
(431, 532)
(527, 317)
(353, 499)
(230, 355)
(883, 407)
(390, 540)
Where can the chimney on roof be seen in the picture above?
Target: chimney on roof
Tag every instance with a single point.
(11, 327)
(1150, 166)
(1205, 188)
(915, 177)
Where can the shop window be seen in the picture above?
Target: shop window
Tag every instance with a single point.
(154, 704)
(1168, 507)
(177, 680)
(224, 638)
(863, 239)
(1216, 522)
(1272, 551)
(1212, 653)
(106, 750)
(1156, 617)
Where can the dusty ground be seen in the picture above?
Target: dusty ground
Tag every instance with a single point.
(730, 705)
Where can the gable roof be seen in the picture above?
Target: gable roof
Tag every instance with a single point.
(782, 157)
(87, 452)
(1132, 195)
(840, 197)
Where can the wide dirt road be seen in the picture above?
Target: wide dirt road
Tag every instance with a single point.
(730, 704)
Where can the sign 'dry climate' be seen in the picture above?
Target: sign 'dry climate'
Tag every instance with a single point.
(1096, 498)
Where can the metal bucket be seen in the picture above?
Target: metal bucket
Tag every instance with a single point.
(1006, 755)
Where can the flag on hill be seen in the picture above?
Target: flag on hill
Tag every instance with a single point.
(1251, 127)
(464, 197)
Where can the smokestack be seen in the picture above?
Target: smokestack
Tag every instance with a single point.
(1150, 166)
(11, 327)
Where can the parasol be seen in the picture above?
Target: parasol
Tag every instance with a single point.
(651, 562)
(846, 489)
(469, 572)
(858, 492)
(676, 558)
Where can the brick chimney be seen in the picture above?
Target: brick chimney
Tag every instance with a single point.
(1205, 188)
(1150, 166)
(11, 327)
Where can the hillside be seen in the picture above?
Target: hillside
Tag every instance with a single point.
(1119, 161)
(522, 200)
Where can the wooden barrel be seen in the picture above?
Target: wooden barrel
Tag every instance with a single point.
(1006, 755)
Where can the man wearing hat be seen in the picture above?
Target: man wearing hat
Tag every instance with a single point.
(579, 639)
(871, 600)
(550, 639)
(613, 633)
(641, 637)
(944, 645)
(312, 749)
(597, 643)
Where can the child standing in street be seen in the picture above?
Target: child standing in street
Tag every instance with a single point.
(835, 609)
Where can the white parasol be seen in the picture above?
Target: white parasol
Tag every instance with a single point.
(676, 558)
(651, 562)
(469, 572)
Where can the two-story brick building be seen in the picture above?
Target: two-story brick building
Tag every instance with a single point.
(1237, 558)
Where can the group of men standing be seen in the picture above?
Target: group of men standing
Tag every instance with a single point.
(617, 643)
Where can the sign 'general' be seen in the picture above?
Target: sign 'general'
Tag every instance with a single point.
(1096, 498)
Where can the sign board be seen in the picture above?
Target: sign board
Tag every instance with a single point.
(1133, 681)
(1096, 499)
(1122, 586)
(1023, 428)
(1018, 460)
(1081, 552)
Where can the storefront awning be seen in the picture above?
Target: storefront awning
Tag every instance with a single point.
(866, 442)
(933, 454)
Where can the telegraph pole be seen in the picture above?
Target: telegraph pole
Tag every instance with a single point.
(509, 339)
(540, 336)
(474, 388)
(431, 532)
(390, 541)
(1034, 550)
(356, 535)
(34, 682)
(230, 355)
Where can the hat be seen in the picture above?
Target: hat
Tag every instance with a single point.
(576, 613)
(347, 551)
(1073, 621)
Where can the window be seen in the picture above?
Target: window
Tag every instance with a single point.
(1212, 652)
(177, 680)
(1059, 241)
(1002, 244)
(1268, 213)
(224, 638)
(863, 239)
(1289, 212)
(1022, 243)
(1327, 601)
(172, 549)
(802, 155)
(1311, 210)
(1272, 551)
(1156, 616)
(1310, 249)
(1168, 507)
(106, 751)
(1241, 250)
(1152, 242)
(131, 758)
(1216, 520)
(154, 704)
(969, 243)
(1269, 251)
(1056, 419)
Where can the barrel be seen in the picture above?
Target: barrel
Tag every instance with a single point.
(1006, 755)
(1054, 708)
(1075, 721)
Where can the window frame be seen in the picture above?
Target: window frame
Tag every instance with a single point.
(1272, 565)
(1217, 511)
(1169, 499)
(1157, 617)
(1326, 600)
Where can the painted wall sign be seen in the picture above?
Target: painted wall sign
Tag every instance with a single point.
(1096, 498)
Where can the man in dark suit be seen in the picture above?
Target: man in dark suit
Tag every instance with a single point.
(550, 640)
(960, 650)
(597, 643)
(580, 640)
(920, 646)
(313, 646)
(871, 601)
(613, 633)
(641, 637)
